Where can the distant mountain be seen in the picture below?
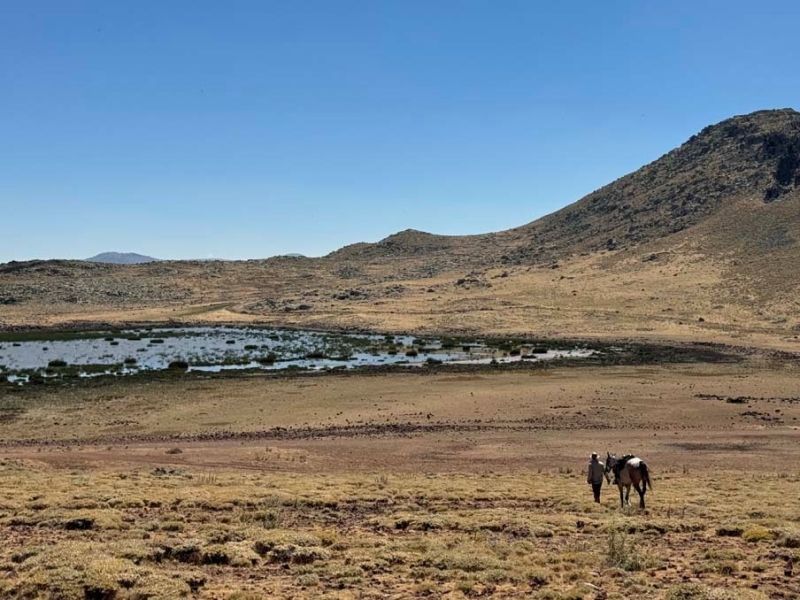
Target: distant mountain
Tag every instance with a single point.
(122, 258)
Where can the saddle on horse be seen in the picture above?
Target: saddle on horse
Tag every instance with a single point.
(621, 465)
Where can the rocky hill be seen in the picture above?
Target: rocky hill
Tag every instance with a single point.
(751, 162)
(705, 235)
(752, 159)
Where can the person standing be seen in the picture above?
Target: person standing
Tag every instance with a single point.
(595, 475)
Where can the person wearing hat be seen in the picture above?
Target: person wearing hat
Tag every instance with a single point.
(595, 475)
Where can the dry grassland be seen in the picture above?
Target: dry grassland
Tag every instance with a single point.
(682, 294)
(403, 485)
(164, 533)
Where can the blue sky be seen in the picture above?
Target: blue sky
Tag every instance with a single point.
(247, 129)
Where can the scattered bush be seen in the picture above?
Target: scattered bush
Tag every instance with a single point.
(268, 359)
(57, 363)
(178, 365)
(412, 352)
(757, 534)
(697, 591)
(537, 578)
(542, 532)
(622, 552)
(789, 538)
(687, 591)
(308, 580)
(174, 451)
(172, 526)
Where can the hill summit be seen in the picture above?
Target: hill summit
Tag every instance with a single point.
(744, 168)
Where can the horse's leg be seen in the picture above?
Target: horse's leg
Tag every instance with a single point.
(640, 491)
(621, 497)
(628, 494)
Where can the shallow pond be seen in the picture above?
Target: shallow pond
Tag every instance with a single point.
(87, 354)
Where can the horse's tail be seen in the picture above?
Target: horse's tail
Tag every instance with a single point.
(646, 476)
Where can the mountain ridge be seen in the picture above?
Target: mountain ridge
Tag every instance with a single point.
(702, 242)
(678, 183)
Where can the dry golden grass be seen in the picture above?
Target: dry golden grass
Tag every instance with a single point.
(136, 533)
(483, 496)
(605, 295)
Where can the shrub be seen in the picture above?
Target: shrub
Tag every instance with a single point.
(687, 591)
(174, 451)
(542, 532)
(756, 534)
(789, 538)
(412, 352)
(57, 363)
(308, 580)
(537, 578)
(178, 365)
(697, 591)
(622, 552)
(130, 361)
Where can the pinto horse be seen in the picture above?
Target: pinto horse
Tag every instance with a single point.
(633, 472)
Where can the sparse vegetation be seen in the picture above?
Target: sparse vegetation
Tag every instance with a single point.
(393, 484)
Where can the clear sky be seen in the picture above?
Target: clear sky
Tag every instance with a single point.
(195, 129)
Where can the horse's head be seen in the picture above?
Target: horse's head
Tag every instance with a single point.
(611, 460)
